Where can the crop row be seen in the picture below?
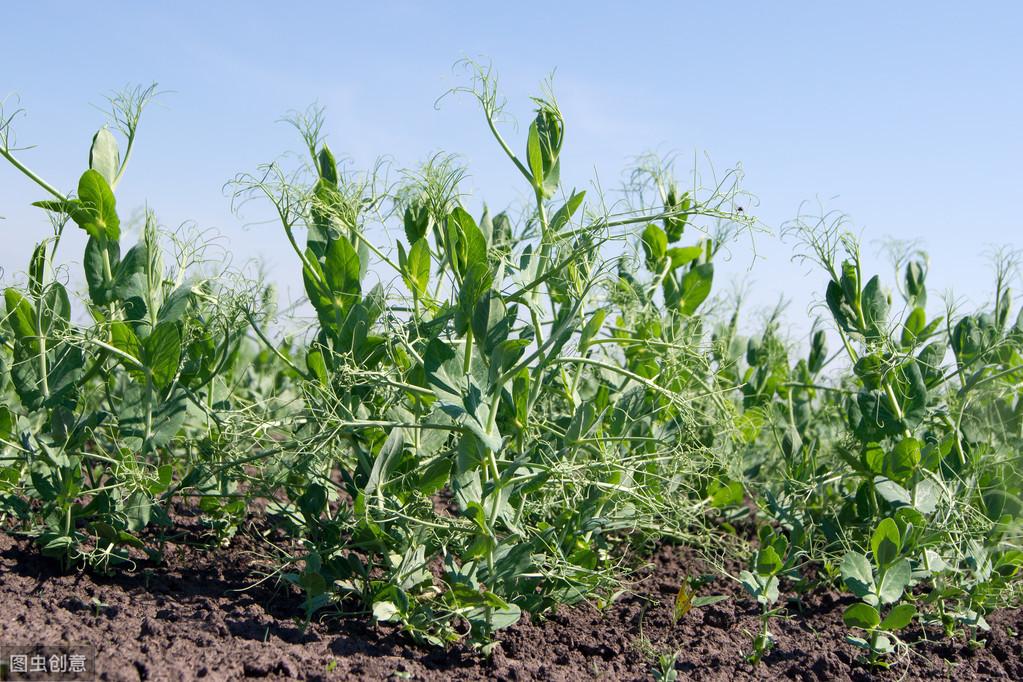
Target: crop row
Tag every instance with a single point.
(485, 415)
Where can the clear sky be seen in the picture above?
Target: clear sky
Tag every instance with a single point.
(905, 115)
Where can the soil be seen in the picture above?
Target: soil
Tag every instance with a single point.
(203, 615)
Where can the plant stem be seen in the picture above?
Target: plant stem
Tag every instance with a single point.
(32, 176)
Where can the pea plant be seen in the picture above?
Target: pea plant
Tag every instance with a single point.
(475, 414)
(761, 582)
(891, 454)
(111, 411)
(881, 582)
(481, 436)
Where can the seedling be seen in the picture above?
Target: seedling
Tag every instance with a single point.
(665, 670)
(761, 581)
(880, 581)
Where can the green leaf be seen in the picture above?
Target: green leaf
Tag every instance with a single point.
(164, 475)
(591, 328)
(875, 307)
(63, 374)
(696, 285)
(899, 617)
(489, 322)
(818, 351)
(902, 461)
(655, 245)
(163, 424)
(870, 368)
(95, 212)
(130, 280)
(472, 246)
(435, 476)
(912, 328)
(163, 353)
(709, 599)
(55, 309)
(850, 281)
(458, 394)
(503, 358)
(683, 255)
(104, 156)
(915, 286)
(874, 457)
(326, 166)
(317, 367)
(486, 225)
(21, 316)
(886, 543)
(174, 306)
(858, 642)
(999, 502)
(7, 423)
(315, 281)
(54, 206)
(362, 249)
(749, 583)
(341, 273)
(913, 393)
(862, 616)
(417, 274)
(312, 502)
(894, 581)
(384, 611)
(725, 493)
(504, 617)
(679, 206)
(37, 270)
(56, 546)
(840, 308)
(768, 562)
(99, 254)
(417, 221)
(926, 496)
(764, 588)
(891, 492)
(857, 574)
(565, 213)
(475, 287)
(534, 155)
(123, 338)
(387, 457)
(137, 510)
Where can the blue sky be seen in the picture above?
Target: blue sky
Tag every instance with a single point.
(904, 115)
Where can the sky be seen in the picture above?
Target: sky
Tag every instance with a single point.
(905, 116)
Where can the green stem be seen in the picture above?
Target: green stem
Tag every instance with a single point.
(467, 358)
(44, 381)
(147, 435)
(504, 145)
(32, 176)
(124, 161)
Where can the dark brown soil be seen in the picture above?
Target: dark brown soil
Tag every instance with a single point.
(201, 616)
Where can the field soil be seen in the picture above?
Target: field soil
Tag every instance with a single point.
(205, 615)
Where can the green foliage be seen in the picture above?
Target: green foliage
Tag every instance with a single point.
(761, 582)
(503, 371)
(103, 418)
(896, 457)
(483, 414)
(879, 583)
